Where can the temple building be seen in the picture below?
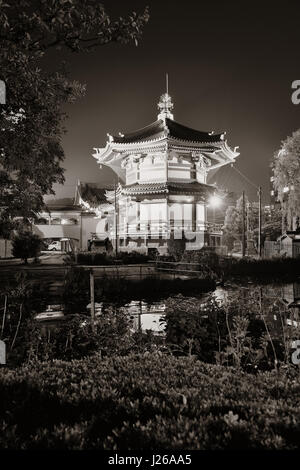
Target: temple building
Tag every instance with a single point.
(162, 192)
(78, 223)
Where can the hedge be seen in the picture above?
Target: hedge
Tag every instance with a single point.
(104, 259)
(149, 401)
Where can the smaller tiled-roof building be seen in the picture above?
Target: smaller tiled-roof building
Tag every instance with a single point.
(76, 221)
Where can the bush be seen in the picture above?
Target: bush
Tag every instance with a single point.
(75, 338)
(225, 268)
(133, 257)
(147, 402)
(26, 245)
(94, 258)
(263, 270)
(104, 259)
(240, 331)
(176, 248)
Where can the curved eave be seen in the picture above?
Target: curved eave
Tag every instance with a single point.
(222, 156)
(171, 188)
(113, 152)
(112, 149)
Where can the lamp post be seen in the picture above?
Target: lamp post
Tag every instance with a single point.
(116, 220)
(92, 294)
(259, 222)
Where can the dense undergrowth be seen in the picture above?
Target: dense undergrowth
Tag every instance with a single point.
(150, 402)
(221, 376)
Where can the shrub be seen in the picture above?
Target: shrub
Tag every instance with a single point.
(147, 402)
(133, 257)
(264, 270)
(104, 259)
(94, 258)
(239, 331)
(26, 245)
(176, 247)
(76, 338)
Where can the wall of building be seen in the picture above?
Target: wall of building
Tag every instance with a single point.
(155, 168)
(152, 169)
(57, 231)
(82, 231)
(5, 248)
(90, 226)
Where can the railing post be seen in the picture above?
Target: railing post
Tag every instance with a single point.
(92, 291)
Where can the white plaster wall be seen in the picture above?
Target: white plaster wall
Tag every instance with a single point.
(158, 212)
(200, 212)
(152, 173)
(176, 212)
(201, 176)
(188, 212)
(131, 175)
(179, 173)
(91, 225)
(57, 231)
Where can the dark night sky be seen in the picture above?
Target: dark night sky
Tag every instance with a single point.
(230, 65)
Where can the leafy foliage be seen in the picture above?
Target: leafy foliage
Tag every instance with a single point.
(176, 248)
(286, 171)
(26, 245)
(106, 259)
(146, 402)
(237, 331)
(32, 121)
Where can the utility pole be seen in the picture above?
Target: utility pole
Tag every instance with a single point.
(247, 226)
(243, 227)
(92, 292)
(259, 222)
(116, 222)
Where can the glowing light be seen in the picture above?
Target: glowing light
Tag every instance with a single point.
(215, 201)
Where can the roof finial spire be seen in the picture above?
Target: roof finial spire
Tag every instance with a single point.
(165, 104)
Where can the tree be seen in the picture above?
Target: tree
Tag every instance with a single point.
(32, 120)
(233, 224)
(286, 181)
(26, 245)
(232, 230)
(272, 225)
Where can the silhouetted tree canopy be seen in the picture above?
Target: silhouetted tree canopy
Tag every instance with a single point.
(286, 171)
(32, 120)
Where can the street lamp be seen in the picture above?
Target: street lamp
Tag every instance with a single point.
(215, 201)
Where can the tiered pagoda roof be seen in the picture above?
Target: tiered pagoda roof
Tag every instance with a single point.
(91, 193)
(161, 136)
(91, 196)
(170, 128)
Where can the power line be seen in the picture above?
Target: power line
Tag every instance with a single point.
(245, 177)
